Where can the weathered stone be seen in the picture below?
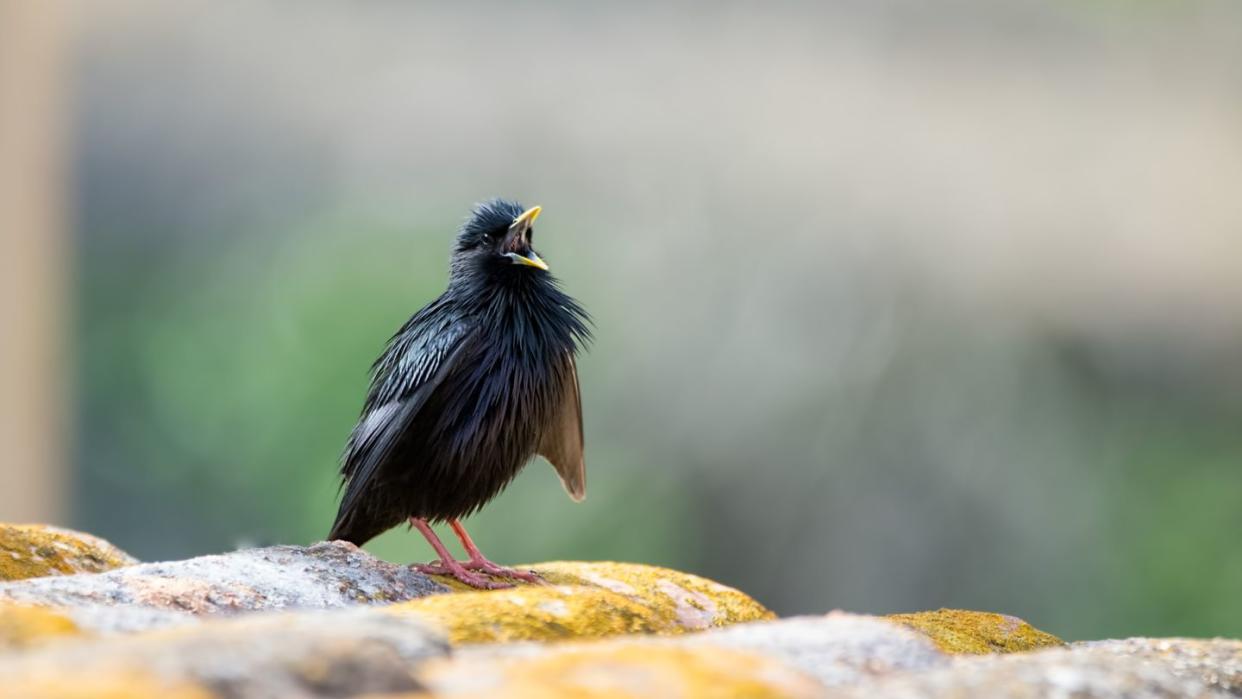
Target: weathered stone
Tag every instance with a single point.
(35, 551)
(327, 575)
(620, 669)
(604, 599)
(837, 649)
(691, 603)
(960, 631)
(1216, 662)
(535, 613)
(311, 654)
(49, 625)
(852, 656)
(588, 600)
(105, 685)
(23, 626)
(1081, 673)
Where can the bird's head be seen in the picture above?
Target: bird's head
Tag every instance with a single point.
(496, 240)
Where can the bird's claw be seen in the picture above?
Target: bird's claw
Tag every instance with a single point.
(461, 570)
(486, 566)
(483, 565)
(459, 573)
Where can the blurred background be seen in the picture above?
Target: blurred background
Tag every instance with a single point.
(900, 304)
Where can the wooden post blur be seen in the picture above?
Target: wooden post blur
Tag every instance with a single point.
(34, 262)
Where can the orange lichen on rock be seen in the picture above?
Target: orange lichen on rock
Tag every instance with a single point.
(963, 632)
(35, 550)
(22, 626)
(587, 600)
(693, 603)
(535, 613)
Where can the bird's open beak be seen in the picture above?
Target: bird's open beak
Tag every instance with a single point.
(530, 259)
(518, 241)
(527, 219)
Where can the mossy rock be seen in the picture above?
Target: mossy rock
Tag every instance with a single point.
(36, 550)
(962, 632)
(621, 669)
(22, 626)
(546, 613)
(694, 603)
(587, 600)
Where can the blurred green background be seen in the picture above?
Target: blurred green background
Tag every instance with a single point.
(900, 304)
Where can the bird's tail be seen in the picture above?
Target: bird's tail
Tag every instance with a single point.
(356, 529)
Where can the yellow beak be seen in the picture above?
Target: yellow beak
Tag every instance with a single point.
(519, 228)
(530, 260)
(527, 218)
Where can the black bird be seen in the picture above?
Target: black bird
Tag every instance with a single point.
(468, 390)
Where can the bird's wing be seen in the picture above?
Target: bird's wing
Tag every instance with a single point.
(561, 444)
(415, 363)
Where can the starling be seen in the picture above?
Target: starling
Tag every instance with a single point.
(466, 392)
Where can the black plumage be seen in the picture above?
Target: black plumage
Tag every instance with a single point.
(467, 391)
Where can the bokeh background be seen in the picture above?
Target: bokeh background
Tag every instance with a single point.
(900, 304)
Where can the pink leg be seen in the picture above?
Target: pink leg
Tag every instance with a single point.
(447, 565)
(479, 562)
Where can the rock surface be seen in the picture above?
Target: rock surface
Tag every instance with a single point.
(589, 600)
(150, 595)
(1108, 671)
(102, 686)
(833, 650)
(621, 669)
(837, 649)
(549, 613)
(959, 631)
(848, 657)
(309, 654)
(35, 551)
(23, 626)
(332, 621)
(1215, 662)
(688, 602)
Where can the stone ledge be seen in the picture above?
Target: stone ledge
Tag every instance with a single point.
(621, 669)
(1112, 669)
(304, 654)
(550, 613)
(588, 600)
(330, 620)
(600, 599)
(150, 595)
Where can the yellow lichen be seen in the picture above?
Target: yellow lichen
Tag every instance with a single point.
(34, 550)
(694, 603)
(587, 600)
(536, 613)
(22, 626)
(964, 632)
(617, 670)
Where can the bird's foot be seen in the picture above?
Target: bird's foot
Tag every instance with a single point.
(486, 566)
(479, 562)
(459, 572)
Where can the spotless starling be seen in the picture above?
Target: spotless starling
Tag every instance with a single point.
(468, 390)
